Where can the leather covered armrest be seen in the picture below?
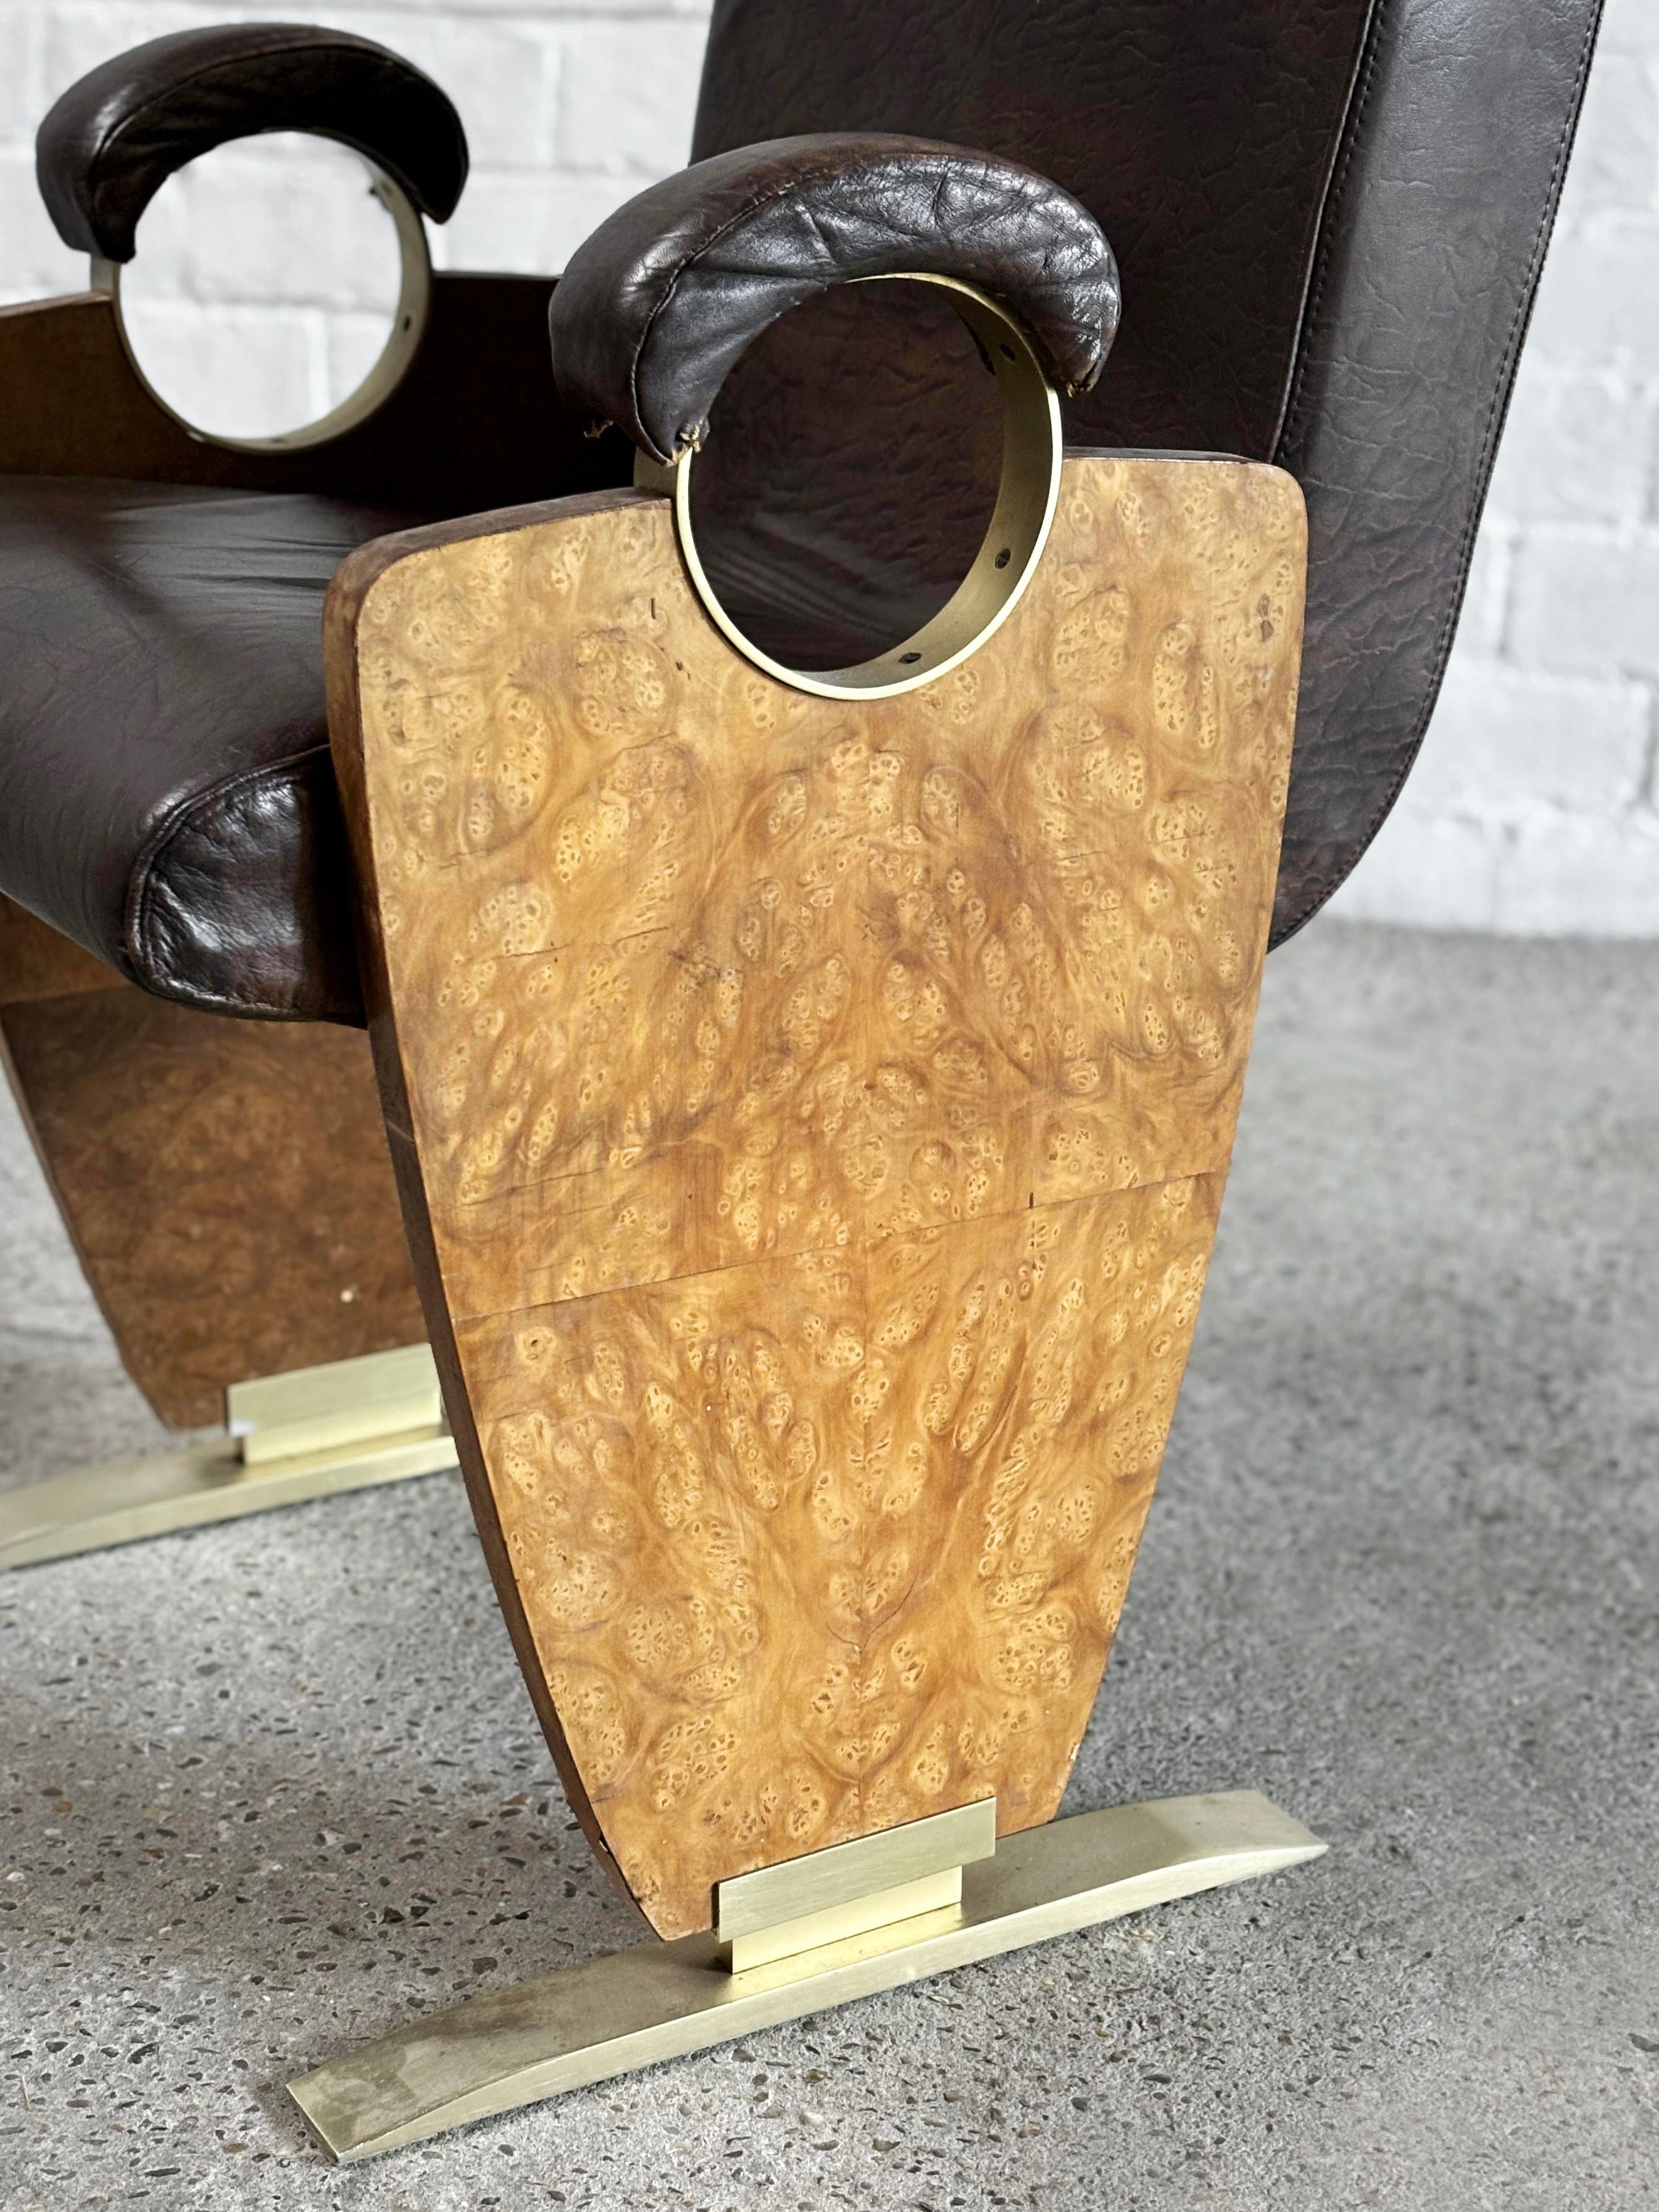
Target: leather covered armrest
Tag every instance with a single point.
(656, 306)
(110, 144)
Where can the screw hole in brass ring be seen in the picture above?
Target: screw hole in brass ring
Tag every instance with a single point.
(409, 320)
(1008, 553)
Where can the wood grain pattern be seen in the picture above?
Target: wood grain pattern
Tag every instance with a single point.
(37, 962)
(226, 1184)
(816, 1117)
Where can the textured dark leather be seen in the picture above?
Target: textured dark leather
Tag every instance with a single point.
(1330, 217)
(166, 794)
(870, 416)
(1422, 286)
(1198, 133)
(655, 307)
(1328, 269)
(113, 139)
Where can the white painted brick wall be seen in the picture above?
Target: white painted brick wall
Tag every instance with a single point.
(1535, 805)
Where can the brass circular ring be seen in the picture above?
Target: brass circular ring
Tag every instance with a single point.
(1008, 557)
(408, 328)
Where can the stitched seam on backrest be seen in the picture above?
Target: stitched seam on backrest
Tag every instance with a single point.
(1319, 268)
(1490, 436)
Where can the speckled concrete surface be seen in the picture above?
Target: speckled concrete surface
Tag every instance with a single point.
(270, 1788)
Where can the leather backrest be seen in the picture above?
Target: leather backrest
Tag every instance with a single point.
(1198, 133)
(1330, 217)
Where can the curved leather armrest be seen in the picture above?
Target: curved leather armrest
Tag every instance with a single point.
(113, 139)
(655, 307)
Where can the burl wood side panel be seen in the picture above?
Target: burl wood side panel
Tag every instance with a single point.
(820, 1112)
(38, 962)
(227, 1185)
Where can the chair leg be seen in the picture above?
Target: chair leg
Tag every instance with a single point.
(811, 1116)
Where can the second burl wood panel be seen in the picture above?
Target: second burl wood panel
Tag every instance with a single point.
(821, 1111)
(226, 1184)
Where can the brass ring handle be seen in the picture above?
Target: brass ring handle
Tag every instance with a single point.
(408, 328)
(1008, 555)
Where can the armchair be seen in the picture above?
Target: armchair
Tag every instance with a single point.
(809, 991)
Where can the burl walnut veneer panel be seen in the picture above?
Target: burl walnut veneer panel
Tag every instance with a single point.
(37, 962)
(226, 1184)
(814, 1115)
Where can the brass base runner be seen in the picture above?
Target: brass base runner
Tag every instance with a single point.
(658, 2001)
(309, 1434)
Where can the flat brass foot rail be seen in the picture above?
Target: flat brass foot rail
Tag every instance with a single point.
(289, 1438)
(659, 2001)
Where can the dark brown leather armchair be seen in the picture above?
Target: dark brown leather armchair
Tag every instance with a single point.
(809, 956)
(1329, 215)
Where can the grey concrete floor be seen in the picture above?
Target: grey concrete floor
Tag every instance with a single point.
(270, 1788)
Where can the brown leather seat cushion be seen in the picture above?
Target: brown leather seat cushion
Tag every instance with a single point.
(166, 794)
